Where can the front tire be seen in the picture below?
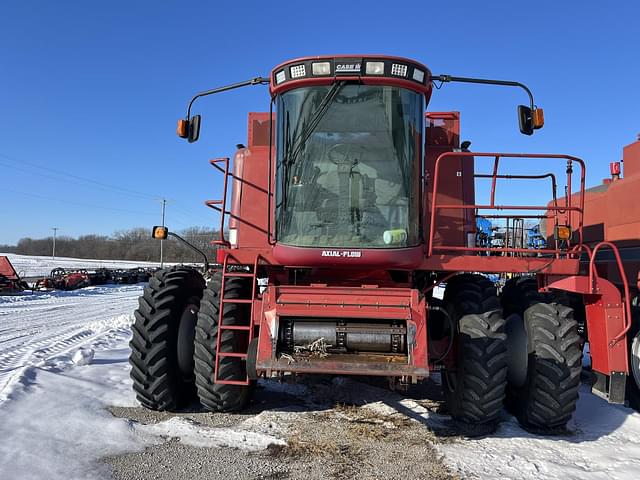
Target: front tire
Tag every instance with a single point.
(546, 398)
(475, 388)
(163, 338)
(214, 396)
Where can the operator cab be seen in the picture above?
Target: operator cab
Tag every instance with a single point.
(349, 136)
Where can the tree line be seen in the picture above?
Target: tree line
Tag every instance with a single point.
(133, 244)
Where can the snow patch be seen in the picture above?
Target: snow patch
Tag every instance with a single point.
(202, 436)
(83, 356)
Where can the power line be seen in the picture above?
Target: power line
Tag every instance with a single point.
(60, 178)
(80, 180)
(84, 179)
(71, 202)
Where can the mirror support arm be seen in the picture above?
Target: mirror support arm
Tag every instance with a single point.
(192, 247)
(449, 78)
(253, 81)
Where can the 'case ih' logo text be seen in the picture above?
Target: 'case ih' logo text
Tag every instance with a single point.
(348, 67)
(341, 253)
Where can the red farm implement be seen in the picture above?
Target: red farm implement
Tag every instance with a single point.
(64, 279)
(10, 282)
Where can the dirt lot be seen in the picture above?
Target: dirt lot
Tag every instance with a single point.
(333, 428)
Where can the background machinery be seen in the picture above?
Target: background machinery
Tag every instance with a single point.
(612, 215)
(10, 281)
(346, 207)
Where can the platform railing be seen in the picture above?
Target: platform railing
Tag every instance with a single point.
(552, 210)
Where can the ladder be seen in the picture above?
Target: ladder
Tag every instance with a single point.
(241, 356)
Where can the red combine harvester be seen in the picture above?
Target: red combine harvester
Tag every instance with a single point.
(348, 206)
(611, 216)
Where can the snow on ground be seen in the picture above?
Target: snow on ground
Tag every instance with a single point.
(36, 328)
(52, 419)
(605, 444)
(34, 266)
(53, 422)
(202, 436)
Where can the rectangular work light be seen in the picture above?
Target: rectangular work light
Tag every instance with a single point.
(321, 68)
(298, 71)
(399, 70)
(375, 68)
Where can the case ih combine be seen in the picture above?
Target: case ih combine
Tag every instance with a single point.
(348, 205)
(611, 215)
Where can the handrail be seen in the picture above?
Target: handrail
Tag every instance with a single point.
(593, 275)
(497, 156)
(554, 185)
(213, 203)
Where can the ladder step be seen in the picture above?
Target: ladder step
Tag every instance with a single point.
(232, 354)
(245, 328)
(236, 300)
(238, 274)
(233, 382)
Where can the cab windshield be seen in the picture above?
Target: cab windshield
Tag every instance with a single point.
(348, 166)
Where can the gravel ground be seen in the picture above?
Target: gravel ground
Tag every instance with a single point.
(332, 428)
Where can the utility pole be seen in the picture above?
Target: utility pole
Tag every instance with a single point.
(164, 203)
(53, 254)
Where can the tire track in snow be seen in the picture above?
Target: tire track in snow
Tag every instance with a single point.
(35, 328)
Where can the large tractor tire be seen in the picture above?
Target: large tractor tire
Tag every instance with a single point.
(633, 381)
(214, 396)
(162, 344)
(543, 383)
(475, 388)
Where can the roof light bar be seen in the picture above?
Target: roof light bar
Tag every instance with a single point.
(307, 69)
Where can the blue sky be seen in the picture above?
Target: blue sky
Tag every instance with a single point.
(90, 91)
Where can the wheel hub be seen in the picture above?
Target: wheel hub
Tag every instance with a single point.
(635, 358)
(185, 343)
(517, 351)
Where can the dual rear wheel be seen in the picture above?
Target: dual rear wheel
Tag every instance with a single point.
(517, 350)
(173, 348)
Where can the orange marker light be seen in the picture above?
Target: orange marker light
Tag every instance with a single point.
(159, 232)
(562, 232)
(538, 118)
(183, 129)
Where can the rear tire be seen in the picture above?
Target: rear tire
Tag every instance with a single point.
(547, 397)
(475, 390)
(213, 396)
(160, 340)
(633, 381)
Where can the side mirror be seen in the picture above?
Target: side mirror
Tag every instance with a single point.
(159, 232)
(530, 120)
(194, 129)
(189, 129)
